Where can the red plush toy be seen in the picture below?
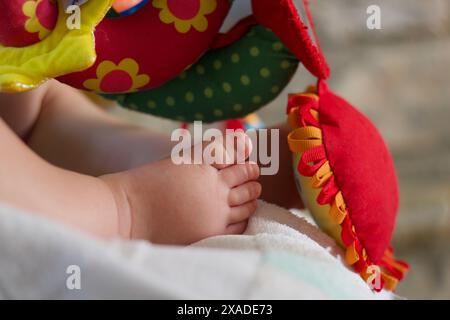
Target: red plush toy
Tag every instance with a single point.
(346, 177)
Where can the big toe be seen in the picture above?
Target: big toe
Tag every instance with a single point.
(239, 174)
(233, 148)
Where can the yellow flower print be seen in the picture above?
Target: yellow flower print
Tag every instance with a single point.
(33, 25)
(186, 13)
(121, 78)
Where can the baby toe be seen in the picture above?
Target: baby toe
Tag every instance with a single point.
(234, 148)
(243, 212)
(240, 174)
(244, 193)
(237, 228)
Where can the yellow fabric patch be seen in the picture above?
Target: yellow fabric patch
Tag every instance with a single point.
(321, 213)
(351, 255)
(61, 52)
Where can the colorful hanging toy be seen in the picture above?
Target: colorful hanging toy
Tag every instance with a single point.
(168, 58)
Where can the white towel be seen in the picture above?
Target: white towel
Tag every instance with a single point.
(297, 247)
(283, 228)
(271, 261)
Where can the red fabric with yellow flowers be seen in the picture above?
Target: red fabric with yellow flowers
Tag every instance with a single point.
(176, 33)
(26, 22)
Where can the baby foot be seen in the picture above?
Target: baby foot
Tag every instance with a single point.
(181, 204)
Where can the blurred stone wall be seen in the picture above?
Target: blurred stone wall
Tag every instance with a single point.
(400, 77)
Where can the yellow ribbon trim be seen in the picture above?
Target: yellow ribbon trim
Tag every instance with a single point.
(338, 209)
(390, 282)
(302, 139)
(293, 118)
(321, 176)
(311, 93)
(311, 89)
(315, 114)
(351, 255)
(390, 259)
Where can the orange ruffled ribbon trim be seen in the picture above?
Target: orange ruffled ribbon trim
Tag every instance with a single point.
(306, 139)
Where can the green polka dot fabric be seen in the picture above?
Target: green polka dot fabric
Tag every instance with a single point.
(226, 83)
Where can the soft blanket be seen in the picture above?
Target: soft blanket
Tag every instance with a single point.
(277, 258)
